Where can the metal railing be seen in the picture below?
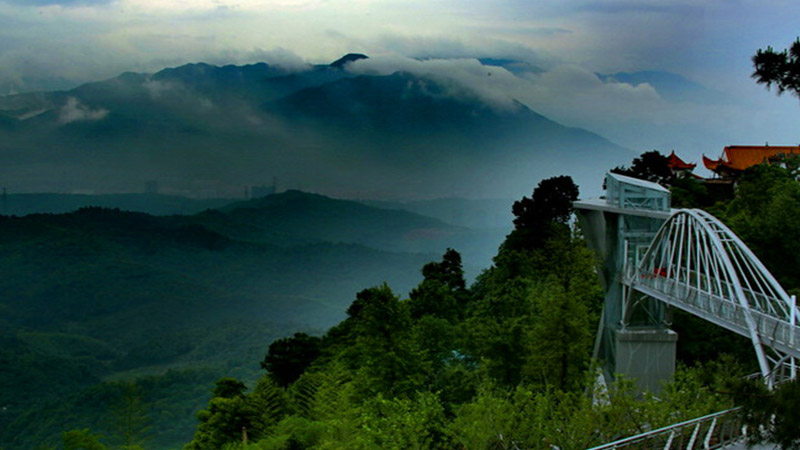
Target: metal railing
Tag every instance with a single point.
(774, 332)
(708, 432)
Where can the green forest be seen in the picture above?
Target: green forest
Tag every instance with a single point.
(96, 298)
(299, 321)
(503, 363)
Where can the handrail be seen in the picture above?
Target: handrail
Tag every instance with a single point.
(773, 332)
(724, 428)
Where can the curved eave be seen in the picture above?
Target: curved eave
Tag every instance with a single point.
(711, 164)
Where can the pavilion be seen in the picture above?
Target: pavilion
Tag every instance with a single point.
(736, 158)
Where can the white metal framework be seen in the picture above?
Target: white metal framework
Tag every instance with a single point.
(709, 432)
(699, 265)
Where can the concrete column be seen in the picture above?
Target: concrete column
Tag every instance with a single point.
(646, 355)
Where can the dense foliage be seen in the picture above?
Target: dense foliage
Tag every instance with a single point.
(687, 191)
(504, 363)
(766, 215)
(779, 68)
(772, 416)
(650, 166)
(97, 296)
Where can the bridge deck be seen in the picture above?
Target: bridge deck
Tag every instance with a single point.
(774, 333)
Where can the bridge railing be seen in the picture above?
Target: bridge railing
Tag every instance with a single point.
(773, 331)
(708, 432)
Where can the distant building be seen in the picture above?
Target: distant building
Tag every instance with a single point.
(679, 166)
(716, 188)
(736, 158)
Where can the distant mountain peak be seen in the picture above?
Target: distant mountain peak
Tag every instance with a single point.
(347, 59)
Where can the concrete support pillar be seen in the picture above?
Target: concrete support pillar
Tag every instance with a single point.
(645, 355)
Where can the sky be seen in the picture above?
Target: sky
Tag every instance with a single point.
(58, 44)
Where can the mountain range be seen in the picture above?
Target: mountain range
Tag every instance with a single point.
(205, 130)
(98, 296)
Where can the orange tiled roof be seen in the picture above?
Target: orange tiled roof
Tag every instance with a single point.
(740, 157)
(711, 164)
(676, 163)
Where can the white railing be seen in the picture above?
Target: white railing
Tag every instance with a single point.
(774, 332)
(708, 432)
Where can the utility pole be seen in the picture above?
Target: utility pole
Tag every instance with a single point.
(5, 202)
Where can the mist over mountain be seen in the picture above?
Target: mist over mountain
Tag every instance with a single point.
(488, 213)
(669, 85)
(97, 295)
(150, 203)
(205, 130)
(174, 302)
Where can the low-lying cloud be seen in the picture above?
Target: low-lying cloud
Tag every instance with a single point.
(65, 3)
(637, 116)
(460, 77)
(59, 44)
(569, 92)
(75, 111)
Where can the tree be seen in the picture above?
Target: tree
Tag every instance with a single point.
(379, 329)
(544, 214)
(650, 166)
(779, 68)
(442, 292)
(82, 440)
(131, 423)
(689, 192)
(403, 423)
(229, 388)
(234, 415)
(449, 271)
(766, 215)
(222, 423)
(267, 404)
(770, 416)
(561, 333)
(551, 202)
(289, 357)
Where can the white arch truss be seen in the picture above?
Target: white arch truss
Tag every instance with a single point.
(699, 265)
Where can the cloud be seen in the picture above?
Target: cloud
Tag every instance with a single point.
(574, 88)
(281, 57)
(65, 3)
(50, 44)
(460, 77)
(74, 111)
(635, 115)
(566, 92)
(176, 95)
(643, 6)
(452, 47)
(158, 89)
(546, 31)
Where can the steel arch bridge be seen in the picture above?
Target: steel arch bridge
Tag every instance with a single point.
(697, 264)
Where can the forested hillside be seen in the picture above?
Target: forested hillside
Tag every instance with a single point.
(94, 299)
(156, 204)
(503, 363)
